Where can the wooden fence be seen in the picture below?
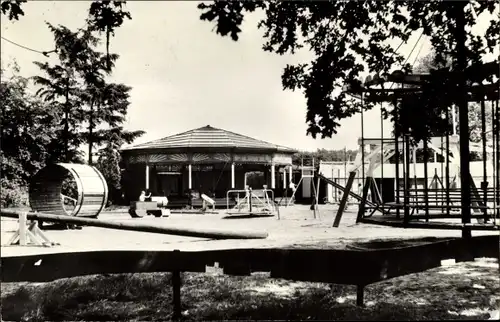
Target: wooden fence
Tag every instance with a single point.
(361, 264)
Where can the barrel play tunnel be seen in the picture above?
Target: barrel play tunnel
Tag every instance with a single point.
(48, 190)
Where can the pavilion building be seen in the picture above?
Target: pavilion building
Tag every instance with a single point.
(206, 160)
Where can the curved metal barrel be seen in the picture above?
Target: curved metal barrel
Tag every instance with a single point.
(45, 193)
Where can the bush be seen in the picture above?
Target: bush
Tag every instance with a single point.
(13, 193)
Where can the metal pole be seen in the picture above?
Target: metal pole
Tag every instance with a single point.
(338, 181)
(382, 154)
(496, 132)
(345, 166)
(250, 200)
(362, 143)
(484, 186)
(447, 169)
(426, 178)
(442, 190)
(415, 182)
(436, 180)
(494, 173)
(407, 179)
(396, 141)
(461, 64)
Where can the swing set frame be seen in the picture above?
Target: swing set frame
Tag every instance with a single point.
(486, 201)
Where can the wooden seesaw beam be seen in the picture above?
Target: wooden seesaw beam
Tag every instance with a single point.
(187, 232)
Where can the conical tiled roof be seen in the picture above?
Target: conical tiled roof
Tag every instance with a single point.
(209, 137)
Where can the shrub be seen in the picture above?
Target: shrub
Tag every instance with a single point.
(13, 193)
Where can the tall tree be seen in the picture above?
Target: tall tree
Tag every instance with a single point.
(61, 84)
(351, 37)
(112, 102)
(113, 112)
(93, 73)
(106, 16)
(77, 85)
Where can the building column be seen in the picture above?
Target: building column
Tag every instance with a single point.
(273, 177)
(284, 177)
(147, 176)
(232, 176)
(290, 169)
(190, 179)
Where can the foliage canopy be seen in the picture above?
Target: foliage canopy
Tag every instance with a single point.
(352, 37)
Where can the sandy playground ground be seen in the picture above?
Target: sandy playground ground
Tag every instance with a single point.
(296, 227)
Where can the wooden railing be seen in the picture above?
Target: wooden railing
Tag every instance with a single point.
(360, 265)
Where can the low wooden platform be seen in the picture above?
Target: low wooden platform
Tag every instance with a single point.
(219, 203)
(184, 202)
(392, 221)
(192, 211)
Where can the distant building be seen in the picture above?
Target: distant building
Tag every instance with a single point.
(204, 160)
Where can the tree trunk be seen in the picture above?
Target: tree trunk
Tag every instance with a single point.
(108, 58)
(463, 114)
(91, 127)
(66, 122)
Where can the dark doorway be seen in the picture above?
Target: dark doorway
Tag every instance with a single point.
(255, 179)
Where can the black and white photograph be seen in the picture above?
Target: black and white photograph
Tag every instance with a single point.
(249, 160)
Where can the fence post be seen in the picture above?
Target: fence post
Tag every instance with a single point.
(360, 294)
(22, 229)
(176, 291)
(250, 200)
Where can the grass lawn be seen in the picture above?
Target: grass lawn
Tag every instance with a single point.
(468, 290)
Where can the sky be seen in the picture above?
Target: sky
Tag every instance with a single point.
(184, 76)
